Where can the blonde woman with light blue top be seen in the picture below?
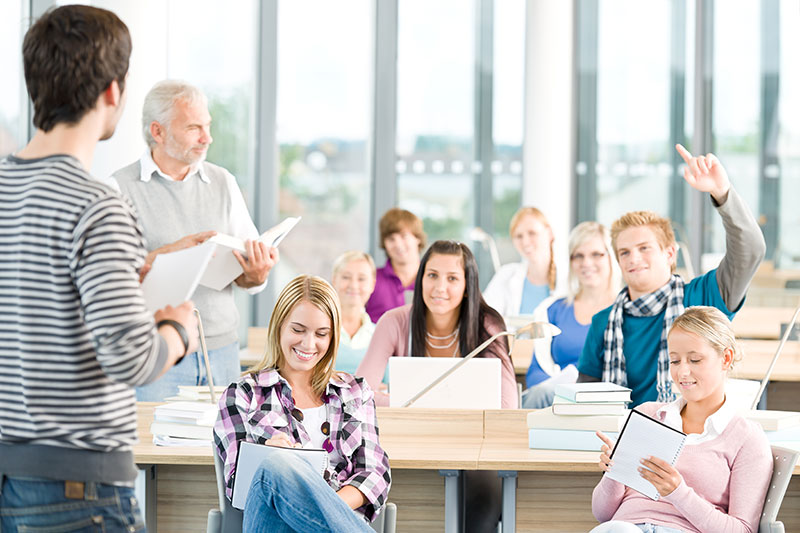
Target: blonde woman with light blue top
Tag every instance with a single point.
(354, 280)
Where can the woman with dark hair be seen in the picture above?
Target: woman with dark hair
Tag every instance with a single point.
(447, 318)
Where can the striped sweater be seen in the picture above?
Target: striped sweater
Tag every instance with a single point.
(74, 331)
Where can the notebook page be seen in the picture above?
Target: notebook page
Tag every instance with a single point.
(642, 437)
(250, 457)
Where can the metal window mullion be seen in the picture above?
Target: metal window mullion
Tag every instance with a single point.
(699, 206)
(266, 185)
(677, 123)
(586, 40)
(383, 147)
(483, 144)
(770, 180)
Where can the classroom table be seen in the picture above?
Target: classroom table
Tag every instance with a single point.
(543, 490)
(551, 490)
(428, 449)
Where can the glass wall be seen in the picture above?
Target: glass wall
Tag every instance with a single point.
(634, 80)
(436, 114)
(460, 118)
(507, 120)
(323, 121)
(13, 98)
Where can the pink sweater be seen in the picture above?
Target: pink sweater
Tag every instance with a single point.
(724, 484)
(391, 339)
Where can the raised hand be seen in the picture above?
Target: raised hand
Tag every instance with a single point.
(705, 173)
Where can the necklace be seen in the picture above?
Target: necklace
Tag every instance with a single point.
(434, 337)
(455, 350)
(442, 346)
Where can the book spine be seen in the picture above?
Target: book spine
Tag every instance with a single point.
(566, 439)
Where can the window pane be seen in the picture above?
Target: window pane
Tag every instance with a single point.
(13, 98)
(323, 118)
(788, 254)
(435, 114)
(736, 97)
(204, 33)
(633, 112)
(508, 116)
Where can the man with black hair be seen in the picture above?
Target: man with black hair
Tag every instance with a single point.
(75, 335)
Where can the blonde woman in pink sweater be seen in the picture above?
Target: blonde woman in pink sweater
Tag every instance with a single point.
(721, 478)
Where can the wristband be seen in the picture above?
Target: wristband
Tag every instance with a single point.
(177, 326)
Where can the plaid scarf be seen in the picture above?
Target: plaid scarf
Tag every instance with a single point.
(669, 296)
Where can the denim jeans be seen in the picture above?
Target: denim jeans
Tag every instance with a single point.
(538, 396)
(289, 496)
(192, 371)
(36, 505)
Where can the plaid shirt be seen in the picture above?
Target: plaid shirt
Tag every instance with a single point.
(259, 406)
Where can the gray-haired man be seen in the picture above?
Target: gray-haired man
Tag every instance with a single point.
(183, 200)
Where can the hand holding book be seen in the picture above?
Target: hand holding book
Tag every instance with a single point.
(664, 477)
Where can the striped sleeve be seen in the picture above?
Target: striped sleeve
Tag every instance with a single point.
(106, 255)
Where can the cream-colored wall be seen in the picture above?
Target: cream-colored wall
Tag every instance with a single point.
(547, 155)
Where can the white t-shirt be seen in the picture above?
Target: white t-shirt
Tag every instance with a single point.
(313, 418)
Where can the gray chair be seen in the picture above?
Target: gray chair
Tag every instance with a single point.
(783, 467)
(227, 519)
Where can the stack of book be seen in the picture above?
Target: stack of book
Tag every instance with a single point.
(778, 426)
(190, 393)
(579, 409)
(184, 424)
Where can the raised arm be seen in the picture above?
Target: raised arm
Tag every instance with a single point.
(744, 243)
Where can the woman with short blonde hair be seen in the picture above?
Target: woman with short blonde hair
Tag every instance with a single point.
(354, 280)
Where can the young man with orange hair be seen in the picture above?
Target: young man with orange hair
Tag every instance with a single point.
(627, 343)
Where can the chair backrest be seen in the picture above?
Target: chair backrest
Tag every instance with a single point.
(231, 518)
(782, 469)
(741, 392)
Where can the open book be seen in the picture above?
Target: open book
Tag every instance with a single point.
(643, 437)
(250, 457)
(223, 267)
(174, 277)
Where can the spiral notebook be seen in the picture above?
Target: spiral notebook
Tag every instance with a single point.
(643, 436)
(250, 457)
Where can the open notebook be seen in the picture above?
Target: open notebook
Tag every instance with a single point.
(250, 457)
(643, 436)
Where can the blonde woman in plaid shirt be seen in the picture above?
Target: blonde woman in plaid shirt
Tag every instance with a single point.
(294, 398)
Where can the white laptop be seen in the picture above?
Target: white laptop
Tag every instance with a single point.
(476, 385)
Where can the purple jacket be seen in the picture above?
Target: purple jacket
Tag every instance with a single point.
(356, 456)
(388, 294)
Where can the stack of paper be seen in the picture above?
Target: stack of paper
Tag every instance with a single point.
(192, 393)
(597, 398)
(183, 420)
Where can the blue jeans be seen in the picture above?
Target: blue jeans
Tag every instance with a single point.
(36, 505)
(538, 396)
(289, 496)
(192, 371)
